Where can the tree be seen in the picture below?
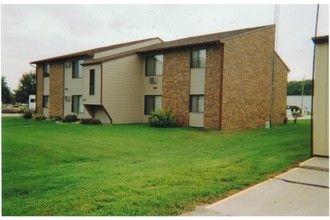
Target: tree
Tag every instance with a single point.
(27, 86)
(6, 95)
(295, 87)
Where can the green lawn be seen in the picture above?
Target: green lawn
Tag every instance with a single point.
(72, 169)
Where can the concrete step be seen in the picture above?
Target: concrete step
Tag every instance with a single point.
(316, 163)
(306, 176)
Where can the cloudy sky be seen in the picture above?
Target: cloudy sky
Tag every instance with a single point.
(33, 32)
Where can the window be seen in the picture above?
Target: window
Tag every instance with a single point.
(45, 101)
(77, 69)
(76, 104)
(46, 70)
(154, 65)
(152, 103)
(197, 103)
(198, 58)
(92, 82)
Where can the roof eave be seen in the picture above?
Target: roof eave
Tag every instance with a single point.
(321, 39)
(64, 57)
(178, 47)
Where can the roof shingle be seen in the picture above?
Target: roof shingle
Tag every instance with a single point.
(91, 52)
(202, 39)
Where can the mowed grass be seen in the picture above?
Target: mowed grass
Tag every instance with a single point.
(51, 169)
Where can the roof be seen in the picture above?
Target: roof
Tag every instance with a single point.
(202, 39)
(91, 52)
(321, 39)
(111, 57)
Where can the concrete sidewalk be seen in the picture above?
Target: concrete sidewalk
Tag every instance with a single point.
(302, 191)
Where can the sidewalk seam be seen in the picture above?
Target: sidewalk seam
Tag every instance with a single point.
(307, 184)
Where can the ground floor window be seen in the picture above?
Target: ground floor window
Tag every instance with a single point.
(76, 104)
(152, 103)
(197, 103)
(45, 101)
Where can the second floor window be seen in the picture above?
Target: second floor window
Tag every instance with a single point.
(92, 82)
(198, 58)
(77, 69)
(46, 70)
(154, 65)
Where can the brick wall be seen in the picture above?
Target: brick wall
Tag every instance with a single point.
(39, 71)
(212, 88)
(176, 83)
(56, 89)
(247, 80)
(280, 90)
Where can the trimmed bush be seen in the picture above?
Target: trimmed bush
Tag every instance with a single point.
(162, 118)
(90, 121)
(70, 118)
(38, 117)
(27, 115)
(56, 118)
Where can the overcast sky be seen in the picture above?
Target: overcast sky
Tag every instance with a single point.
(33, 32)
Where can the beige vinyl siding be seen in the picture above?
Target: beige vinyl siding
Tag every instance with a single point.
(45, 112)
(96, 98)
(321, 101)
(152, 88)
(196, 119)
(72, 86)
(46, 86)
(197, 87)
(126, 48)
(101, 115)
(45, 92)
(197, 81)
(122, 89)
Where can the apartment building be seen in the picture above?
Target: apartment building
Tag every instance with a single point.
(223, 81)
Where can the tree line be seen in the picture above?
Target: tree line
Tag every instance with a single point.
(296, 87)
(27, 86)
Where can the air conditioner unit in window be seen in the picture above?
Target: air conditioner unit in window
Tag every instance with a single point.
(67, 98)
(153, 79)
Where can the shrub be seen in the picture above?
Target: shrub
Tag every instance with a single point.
(56, 118)
(162, 118)
(27, 115)
(90, 121)
(38, 117)
(70, 118)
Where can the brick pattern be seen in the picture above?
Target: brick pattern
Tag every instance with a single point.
(247, 80)
(212, 88)
(280, 91)
(56, 89)
(176, 84)
(40, 87)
